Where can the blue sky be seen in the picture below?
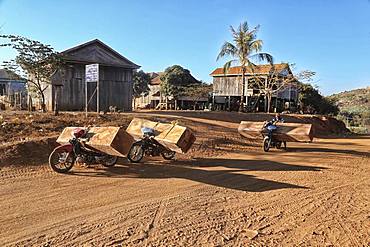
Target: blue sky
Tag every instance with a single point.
(331, 37)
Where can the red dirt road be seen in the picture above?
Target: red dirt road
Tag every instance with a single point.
(314, 194)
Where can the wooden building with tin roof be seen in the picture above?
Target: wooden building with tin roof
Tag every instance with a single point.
(228, 88)
(115, 79)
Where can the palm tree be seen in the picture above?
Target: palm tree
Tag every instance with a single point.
(244, 48)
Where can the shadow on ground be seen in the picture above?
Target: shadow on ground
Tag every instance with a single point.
(230, 177)
(329, 150)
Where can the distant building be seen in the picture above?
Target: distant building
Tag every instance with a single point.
(154, 96)
(13, 91)
(227, 88)
(115, 79)
(155, 99)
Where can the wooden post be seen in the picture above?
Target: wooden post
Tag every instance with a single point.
(213, 102)
(229, 103)
(86, 97)
(246, 92)
(97, 97)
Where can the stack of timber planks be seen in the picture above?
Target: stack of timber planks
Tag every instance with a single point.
(110, 140)
(173, 136)
(289, 132)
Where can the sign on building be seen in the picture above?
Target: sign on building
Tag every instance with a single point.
(92, 73)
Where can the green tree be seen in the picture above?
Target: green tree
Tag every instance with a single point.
(244, 48)
(276, 80)
(140, 85)
(35, 61)
(197, 91)
(173, 81)
(311, 101)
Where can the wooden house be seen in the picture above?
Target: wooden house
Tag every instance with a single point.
(154, 96)
(115, 79)
(227, 88)
(13, 91)
(155, 99)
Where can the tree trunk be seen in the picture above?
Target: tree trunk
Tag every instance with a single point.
(269, 96)
(241, 106)
(29, 103)
(134, 103)
(43, 105)
(166, 102)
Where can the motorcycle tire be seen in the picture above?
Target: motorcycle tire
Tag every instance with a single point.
(266, 144)
(278, 144)
(136, 153)
(110, 161)
(168, 155)
(61, 161)
(285, 147)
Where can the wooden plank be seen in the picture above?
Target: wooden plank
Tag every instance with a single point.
(289, 132)
(110, 140)
(175, 137)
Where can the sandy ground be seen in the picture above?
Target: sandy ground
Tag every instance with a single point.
(315, 194)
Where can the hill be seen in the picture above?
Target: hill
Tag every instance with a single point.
(354, 102)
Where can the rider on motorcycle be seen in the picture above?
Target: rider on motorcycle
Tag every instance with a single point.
(277, 119)
(271, 125)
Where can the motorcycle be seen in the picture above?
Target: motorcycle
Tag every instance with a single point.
(65, 156)
(268, 137)
(148, 146)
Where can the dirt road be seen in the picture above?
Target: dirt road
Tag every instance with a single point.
(314, 194)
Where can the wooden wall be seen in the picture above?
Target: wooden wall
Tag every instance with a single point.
(227, 86)
(115, 86)
(232, 86)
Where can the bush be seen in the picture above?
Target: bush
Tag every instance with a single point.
(311, 101)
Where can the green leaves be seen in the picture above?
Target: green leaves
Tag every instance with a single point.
(174, 79)
(244, 47)
(310, 98)
(198, 90)
(141, 83)
(35, 62)
(33, 58)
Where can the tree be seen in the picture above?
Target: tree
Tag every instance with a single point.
(311, 101)
(141, 84)
(276, 80)
(173, 81)
(197, 91)
(35, 61)
(244, 48)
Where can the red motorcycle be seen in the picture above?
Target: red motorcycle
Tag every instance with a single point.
(65, 156)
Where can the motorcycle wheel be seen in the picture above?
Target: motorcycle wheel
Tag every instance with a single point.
(266, 144)
(285, 148)
(278, 144)
(61, 161)
(110, 161)
(168, 155)
(136, 153)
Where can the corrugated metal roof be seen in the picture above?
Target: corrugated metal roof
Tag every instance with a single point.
(259, 69)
